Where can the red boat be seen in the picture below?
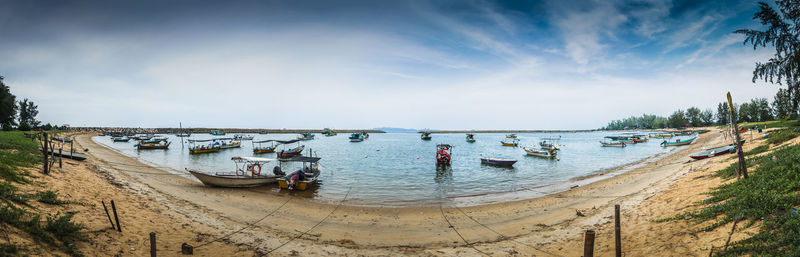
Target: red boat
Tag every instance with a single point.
(443, 154)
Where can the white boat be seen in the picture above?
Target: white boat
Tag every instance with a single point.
(540, 153)
(248, 173)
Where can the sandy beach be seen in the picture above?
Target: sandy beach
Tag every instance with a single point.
(260, 221)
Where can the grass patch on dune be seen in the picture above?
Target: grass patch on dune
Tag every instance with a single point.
(782, 135)
(59, 231)
(770, 124)
(771, 194)
(757, 150)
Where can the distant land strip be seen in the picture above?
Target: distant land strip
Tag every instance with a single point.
(226, 130)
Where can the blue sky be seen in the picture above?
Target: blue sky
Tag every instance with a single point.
(361, 64)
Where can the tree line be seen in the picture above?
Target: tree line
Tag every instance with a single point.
(758, 109)
(18, 114)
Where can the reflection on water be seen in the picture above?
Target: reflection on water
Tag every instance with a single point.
(400, 169)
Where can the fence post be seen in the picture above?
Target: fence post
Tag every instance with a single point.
(60, 157)
(588, 244)
(45, 153)
(617, 232)
(152, 244)
(108, 215)
(116, 217)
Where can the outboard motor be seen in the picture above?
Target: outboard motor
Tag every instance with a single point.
(277, 171)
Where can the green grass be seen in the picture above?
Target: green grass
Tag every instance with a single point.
(782, 135)
(770, 124)
(770, 194)
(50, 197)
(17, 151)
(757, 150)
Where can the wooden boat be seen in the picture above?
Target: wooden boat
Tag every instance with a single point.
(258, 148)
(247, 174)
(683, 133)
(470, 138)
(306, 136)
(678, 142)
(217, 132)
(183, 135)
(426, 136)
(444, 153)
(549, 154)
(708, 153)
(153, 145)
(356, 137)
(620, 138)
(660, 135)
(366, 135)
(613, 144)
(514, 142)
(194, 148)
(241, 137)
(550, 146)
(304, 177)
(640, 139)
(226, 143)
(511, 136)
(292, 152)
(498, 162)
(120, 139)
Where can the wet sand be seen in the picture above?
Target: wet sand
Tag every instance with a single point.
(281, 224)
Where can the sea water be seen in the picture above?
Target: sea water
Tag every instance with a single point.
(399, 169)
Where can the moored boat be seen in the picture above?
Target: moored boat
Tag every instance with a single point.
(660, 135)
(498, 162)
(470, 138)
(678, 142)
(613, 144)
(259, 148)
(120, 139)
(247, 174)
(241, 137)
(303, 178)
(548, 145)
(443, 154)
(549, 154)
(153, 144)
(306, 136)
(514, 142)
(425, 135)
(217, 132)
(356, 137)
(226, 143)
(511, 136)
(291, 152)
(195, 148)
(328, 132)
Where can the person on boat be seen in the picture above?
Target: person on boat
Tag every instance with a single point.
(277, 171)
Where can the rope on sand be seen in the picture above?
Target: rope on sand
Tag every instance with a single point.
(245, 227)
(459, 233)
(315, 225)
(503, 236)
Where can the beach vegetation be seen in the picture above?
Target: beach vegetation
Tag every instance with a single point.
(759, 149)
(782, 135)
(769, 197)
(50, 197)
(27, 114)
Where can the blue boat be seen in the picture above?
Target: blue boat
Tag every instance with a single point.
(678, 142)
(357, 137)
(498, 162)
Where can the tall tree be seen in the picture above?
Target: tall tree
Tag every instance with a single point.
(677, 119)
(8, 107)
(693, 116)
(28, 112)
(707, 117)
(782, 34)
(782, 105)
(722, 114)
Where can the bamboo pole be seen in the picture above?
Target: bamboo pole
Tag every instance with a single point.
(742, 165)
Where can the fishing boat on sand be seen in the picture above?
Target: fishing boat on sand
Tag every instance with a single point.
(613, 144)
(195, 148)
(247, 174)
(683, 133)
(717, 151)
(544, 153)
(498, 162)
(356, 137)
(470, 138)
(444, 153)
(514, 142)
(303, 178)
(678, 142)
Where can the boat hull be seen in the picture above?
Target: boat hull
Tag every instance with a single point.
(714, 152)
(264, 150)
(498, 162)
(232, 181)
(201, 151)
(679, 143)
(541, 154)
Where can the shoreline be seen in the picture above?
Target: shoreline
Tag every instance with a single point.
(456, 200)
(418, 229)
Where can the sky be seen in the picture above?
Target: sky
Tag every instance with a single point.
(364, 64)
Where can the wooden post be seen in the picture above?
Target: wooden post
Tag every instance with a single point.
(742, 165)
(588, 244)
(60, 157)
(116, 217)
(152, 244)
(45, 153)
(617, 232)
(108, 215)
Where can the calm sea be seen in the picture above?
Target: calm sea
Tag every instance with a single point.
(398, 169)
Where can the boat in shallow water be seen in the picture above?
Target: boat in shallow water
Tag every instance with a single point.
(303, 178)
(498, 162)
(356, 137)
(247, 174)
(444, 153)
(195, 148)
(514, 142)
(544, 153)
(470, 138)
(425, 136)
(678, 142)
(613, 144)
(258, 146)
